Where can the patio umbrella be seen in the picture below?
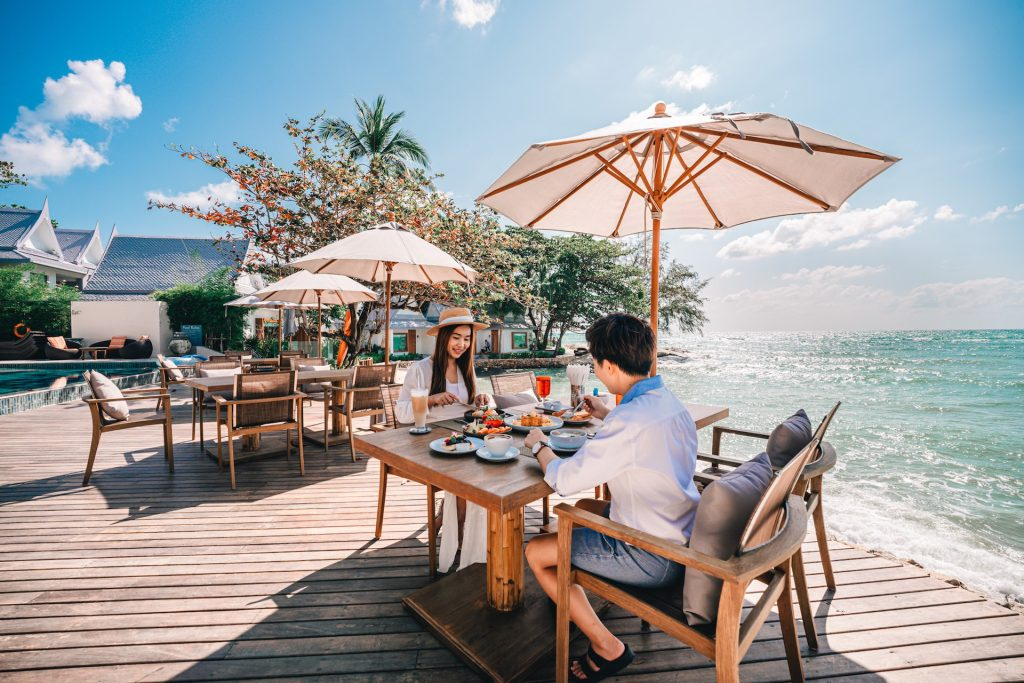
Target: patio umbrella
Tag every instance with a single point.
(304, 287)
(385, 253)
(252, 301)
(710, 171)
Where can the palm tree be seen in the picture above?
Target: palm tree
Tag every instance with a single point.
(377, 138)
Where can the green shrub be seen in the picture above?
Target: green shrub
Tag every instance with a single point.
(29, 300)
(202, 303)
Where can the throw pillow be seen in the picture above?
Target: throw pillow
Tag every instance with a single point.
(175, 372)
(789, 438)
(312, 387)
(219, 372)
(503, 401)
(102, 387)
(724, 510)
(57, 342)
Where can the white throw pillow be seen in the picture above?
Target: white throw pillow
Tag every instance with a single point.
(313, 387)
(102, 387)
(219, 372)
(175, 372)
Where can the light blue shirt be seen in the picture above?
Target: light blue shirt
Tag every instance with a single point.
(646, 452)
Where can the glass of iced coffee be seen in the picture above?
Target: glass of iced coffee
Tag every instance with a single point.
(419, 411)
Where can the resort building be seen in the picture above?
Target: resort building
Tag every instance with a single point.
(61, 256)
(409, 333)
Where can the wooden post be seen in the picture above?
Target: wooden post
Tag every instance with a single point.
(280, 330)
(656, 205)
(505, 566)
(319, 328)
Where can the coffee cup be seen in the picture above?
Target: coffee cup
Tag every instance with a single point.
(498, 444)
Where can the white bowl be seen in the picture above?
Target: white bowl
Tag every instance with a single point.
(568, 439)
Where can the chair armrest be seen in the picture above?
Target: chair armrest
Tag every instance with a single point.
(146, 397)
(253, 401)
(718, 430)
(142, 391)
(720, 459)
(740, 568)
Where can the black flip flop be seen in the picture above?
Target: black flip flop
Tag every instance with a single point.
(605, 668)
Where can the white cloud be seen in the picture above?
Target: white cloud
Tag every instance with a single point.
(946, 213)
(980, 293)
(1018, 208)
(170, 124)
(827, 274)
(728, 273)
(694, 236)
(673, 109)
(472, 13)
(91, 91)
(645, 74)
(992, 215)
(205, 197)
(895, 219)
(697, 77)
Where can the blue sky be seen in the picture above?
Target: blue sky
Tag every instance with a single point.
(935, 83)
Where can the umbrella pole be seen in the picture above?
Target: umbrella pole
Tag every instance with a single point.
(319, 328)
(280, 330)
(655, 270)
(387, 318)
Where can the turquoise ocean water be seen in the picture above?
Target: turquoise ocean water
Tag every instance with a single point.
(930, 435)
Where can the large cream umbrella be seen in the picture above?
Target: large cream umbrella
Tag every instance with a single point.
(252, 301)
(303, 287)
(691, 171)
(385, 253)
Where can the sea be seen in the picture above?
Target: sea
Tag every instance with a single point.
(930, 434)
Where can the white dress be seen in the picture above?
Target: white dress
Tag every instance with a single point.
(474, 532)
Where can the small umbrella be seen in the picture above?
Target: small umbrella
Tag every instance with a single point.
(303, 287)
(384, 253)
(691, 171)
(251, 301)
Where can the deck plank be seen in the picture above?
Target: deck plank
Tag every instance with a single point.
(147, 576)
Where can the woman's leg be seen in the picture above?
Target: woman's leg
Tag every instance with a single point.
(542, 555)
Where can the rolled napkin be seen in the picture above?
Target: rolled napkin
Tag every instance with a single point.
(577, 374)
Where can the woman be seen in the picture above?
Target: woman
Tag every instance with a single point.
(450, 381)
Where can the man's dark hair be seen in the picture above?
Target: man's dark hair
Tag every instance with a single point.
(624, 340)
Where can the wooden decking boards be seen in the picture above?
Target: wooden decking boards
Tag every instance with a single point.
(147, 576)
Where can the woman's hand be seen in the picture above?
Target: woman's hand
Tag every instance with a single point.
(445, 398)
(596, 407)
(483, 400)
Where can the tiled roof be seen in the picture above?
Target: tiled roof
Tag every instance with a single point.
(72, 242)
(141, 265)
(13, 224)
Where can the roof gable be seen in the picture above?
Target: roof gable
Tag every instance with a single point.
(14, 224)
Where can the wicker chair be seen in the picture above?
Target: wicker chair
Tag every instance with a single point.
(103, 423)
(514, 383)
(809, 487)
(772, 535)
(200, 369)
(361, 398)
(170, 377)
(260, 403)
(284, 355)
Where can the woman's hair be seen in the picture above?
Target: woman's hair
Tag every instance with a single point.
(440, 365)
(624, 340)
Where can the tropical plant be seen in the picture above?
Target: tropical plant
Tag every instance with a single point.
(29, 300)
(8, 176)
(202, 303)
(376, 138)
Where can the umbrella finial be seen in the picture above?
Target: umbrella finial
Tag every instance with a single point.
(659, 110)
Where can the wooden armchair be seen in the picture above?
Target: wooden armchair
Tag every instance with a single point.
(171, 376)
(514, 383)
(103, 423)
(772, 535)
(285, 354)
(809, 486)
(361, 398)
(389, 396)
(264, 402)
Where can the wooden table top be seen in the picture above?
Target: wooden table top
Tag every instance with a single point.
(216, 383)
(501, 487)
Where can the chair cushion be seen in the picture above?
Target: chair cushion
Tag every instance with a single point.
(789, 438)
(57, 342)
(724, 509)
(102, 387)
(312, 387)
(503, 401)
(219, 372)
(175, 371)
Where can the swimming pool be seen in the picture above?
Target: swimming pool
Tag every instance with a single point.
(26, 384)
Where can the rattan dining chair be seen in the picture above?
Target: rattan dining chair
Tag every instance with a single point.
(360, 398)
(514, 383)
(810, 488)
(260, 403)
(200, 369)
(772, 535)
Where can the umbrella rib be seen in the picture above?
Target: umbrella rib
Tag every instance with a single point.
(573, 191)
(826, 149)
(619, 175)
(700, 193)
(764, 174)
(677, 186)
(675, 144)
(629, 195)
(551, 169)
(683, 178)
(639, 169)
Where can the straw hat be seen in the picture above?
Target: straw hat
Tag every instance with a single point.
(456, 316)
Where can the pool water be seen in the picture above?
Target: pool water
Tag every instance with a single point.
(19, 379)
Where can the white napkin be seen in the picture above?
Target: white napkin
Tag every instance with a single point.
(577, 374)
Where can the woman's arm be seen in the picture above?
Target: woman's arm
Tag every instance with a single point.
(414, 379)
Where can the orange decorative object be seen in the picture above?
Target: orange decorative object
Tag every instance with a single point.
(347, 331)
(21, 335)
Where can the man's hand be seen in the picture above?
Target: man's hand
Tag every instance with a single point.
(535, 436)
(596, 407)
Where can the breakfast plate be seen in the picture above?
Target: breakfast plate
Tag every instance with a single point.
(485, 454)
(524, 423)
(456, 444)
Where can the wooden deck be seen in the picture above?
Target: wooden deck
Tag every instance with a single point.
(146, 576)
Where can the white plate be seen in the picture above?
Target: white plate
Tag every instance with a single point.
(511, 454)
(556, 422)
(437, 445)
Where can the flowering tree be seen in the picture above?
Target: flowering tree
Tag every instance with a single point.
(325, 196)
(8, 176)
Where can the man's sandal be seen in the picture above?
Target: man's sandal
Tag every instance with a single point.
(605, 667)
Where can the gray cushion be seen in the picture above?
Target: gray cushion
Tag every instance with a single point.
(724, 509)
(102, 387)
(175, 371)
(503, 401)
(789, 438)
(219, 372)
(313, 387)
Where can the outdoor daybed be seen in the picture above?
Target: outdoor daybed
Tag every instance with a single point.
(128, 349)
(25, 348)
(59, 348)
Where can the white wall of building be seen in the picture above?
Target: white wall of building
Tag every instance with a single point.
(95, 321)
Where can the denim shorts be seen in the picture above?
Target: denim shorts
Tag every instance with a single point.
(614, 560)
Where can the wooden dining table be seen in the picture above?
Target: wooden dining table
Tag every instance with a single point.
(203, 385)
(494, 616)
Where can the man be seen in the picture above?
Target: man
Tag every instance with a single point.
(646, 452)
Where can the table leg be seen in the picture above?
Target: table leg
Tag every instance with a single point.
(505, 560)
(202, 401)
(194, 393)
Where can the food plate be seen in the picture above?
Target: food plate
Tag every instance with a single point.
(471, 444)
(477, 414)
(484, 428)
(545, 423)
(572, 421)
(511, 454)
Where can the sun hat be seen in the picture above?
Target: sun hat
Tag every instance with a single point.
(456, 316)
